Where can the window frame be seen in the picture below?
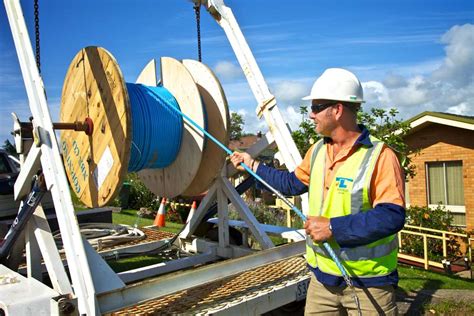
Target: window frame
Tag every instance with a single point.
(451, 208)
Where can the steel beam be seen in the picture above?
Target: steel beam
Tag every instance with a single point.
(165, 267)
(51, 162)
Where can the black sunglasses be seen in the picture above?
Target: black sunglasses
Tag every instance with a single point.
(316, 108)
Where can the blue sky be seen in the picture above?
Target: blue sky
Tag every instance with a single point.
(410, 54)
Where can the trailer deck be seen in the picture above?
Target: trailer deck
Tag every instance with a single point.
(263, 288)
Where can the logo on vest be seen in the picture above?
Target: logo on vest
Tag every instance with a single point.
(342, 183)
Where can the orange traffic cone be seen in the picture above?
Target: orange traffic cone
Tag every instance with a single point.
(191, 212)
(160, 215)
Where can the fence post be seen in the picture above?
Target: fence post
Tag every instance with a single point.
(425, 250)
(445, 251)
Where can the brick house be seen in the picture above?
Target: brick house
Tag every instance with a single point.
(244, 143)
(444, 164)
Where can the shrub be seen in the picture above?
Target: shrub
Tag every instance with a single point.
(140, 195)
(173, 215)
(439, 219)
(262, 213)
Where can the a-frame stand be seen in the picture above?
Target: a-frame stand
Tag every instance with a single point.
(45, 154)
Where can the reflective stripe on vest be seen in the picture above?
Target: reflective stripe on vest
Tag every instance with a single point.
(357, 253)
(349, 193)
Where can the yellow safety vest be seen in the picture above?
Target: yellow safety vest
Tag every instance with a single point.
(348, 194)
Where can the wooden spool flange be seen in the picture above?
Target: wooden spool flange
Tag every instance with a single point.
(96, 164)
(218, 123)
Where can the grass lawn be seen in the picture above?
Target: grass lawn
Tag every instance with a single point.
(126, 264)
(414, 279)
(129, 217)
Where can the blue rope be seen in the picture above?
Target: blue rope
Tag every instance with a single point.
(156, 128)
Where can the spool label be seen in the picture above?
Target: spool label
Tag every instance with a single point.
(72, 159)
(103, 167)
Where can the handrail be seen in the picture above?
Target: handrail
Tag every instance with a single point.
(436, 230)
(425, 236)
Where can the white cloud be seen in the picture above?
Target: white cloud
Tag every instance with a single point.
(290, 92)
(394, 81)
(292, 117)
(461, 109)
(375, 93)
(251, 123)
(459, 62)
(226, 70)
(448, 87)
(414, 93)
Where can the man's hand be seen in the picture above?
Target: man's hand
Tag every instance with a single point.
(237, 158)
(317, 227)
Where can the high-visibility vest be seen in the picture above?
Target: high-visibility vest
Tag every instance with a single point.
(348, 194)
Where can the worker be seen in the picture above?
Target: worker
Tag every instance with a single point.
(356, 202)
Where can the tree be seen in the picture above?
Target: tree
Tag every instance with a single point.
(236, 126)
(381, 123)
(9, 148)
(384, 125)
(306, 134)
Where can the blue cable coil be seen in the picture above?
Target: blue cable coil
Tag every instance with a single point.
(156, 128)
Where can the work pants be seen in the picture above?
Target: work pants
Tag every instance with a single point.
(337, 300)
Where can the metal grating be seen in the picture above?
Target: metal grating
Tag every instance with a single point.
(226, 292)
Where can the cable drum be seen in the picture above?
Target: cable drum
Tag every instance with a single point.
(136, 130)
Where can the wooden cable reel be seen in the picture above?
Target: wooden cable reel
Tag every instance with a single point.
(97, 164)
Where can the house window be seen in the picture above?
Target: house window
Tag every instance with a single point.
(445, 187)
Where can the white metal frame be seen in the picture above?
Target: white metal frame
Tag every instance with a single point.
(48, 152)
(96, 288)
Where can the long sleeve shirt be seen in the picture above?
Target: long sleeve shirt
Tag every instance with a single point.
(386, 193)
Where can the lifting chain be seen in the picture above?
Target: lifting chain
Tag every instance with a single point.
(37, 35)
(197, 10)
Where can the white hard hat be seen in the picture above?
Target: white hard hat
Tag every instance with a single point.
(337, 84)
